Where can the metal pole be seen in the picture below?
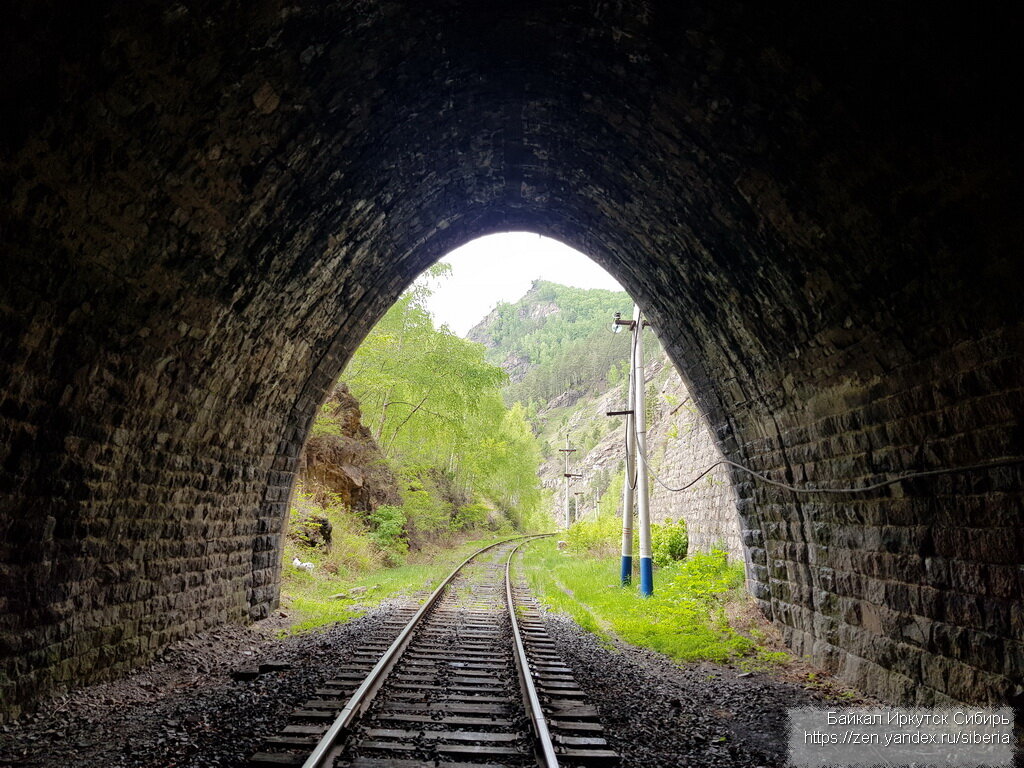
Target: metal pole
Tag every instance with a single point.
(567, 450)
(567, 521)
(626, 572)
(643, 507)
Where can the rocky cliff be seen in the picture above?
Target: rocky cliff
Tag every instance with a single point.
(679, 447)
(532, 314)
(342, 458)
(565, 364)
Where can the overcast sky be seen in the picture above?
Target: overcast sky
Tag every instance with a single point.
(500, 268)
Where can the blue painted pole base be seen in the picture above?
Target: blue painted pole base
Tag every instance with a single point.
(646, 577)
(627, 570)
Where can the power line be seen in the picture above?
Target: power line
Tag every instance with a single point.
(636, 470)
(863, 489)
(1013, 461)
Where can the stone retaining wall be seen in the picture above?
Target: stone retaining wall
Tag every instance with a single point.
(682, 447)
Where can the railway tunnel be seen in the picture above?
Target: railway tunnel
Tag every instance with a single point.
(207, 206)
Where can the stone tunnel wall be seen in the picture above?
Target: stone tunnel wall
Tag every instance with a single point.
(912, 591)
(205, 209)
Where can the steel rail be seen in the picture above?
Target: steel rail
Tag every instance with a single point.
(363, 695)
(546, 748)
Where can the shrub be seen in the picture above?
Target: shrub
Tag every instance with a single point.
(389, 533)
(471, 516)
(598, 537)
(669, 542)
(351, 549)
(706, 576)
(426, 515)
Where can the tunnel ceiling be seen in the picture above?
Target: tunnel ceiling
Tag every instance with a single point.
(207, 207)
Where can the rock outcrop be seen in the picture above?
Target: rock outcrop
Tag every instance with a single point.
(345, 460)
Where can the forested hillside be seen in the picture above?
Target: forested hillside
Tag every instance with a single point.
(562, 356)
(415, 446)
(434, 406)
(556, 339)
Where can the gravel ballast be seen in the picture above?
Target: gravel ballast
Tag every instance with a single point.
(657, 712)
(187, 709)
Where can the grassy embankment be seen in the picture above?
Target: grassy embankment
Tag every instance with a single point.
(686, 618)
(313, 599)
(370, 556)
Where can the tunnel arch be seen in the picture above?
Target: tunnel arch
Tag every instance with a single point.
(207, 208)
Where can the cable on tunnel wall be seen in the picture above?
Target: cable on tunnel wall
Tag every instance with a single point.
(863, 489)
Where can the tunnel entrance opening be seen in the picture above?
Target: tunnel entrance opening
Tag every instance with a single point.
(415, 441)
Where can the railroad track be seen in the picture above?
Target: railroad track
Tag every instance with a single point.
(471, 680)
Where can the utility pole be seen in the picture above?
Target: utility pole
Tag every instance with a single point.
(567, 475)
(636, 468)
(579, 504)
(626, 571)
(640, 420)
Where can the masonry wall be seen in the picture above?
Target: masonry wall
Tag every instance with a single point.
(912, 591)
(682, 448)
(203, 210)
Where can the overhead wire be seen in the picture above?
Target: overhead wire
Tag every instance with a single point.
(1004, 462)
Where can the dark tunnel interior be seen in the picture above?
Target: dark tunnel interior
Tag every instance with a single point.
(208, 205)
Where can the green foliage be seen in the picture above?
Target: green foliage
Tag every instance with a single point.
(506, 465)
(325, 424)
(591, 438)
(389, 532)
(705, 576)
(565, 335)
(610, 503)
(424, 392)
(435, 407)
(618, 373)
(471, 516)
(352, 550)
(426, 512)
(599, 483)
(685, 618)
(603, 537)
(598, 537)
(669, 542)
(650, 402)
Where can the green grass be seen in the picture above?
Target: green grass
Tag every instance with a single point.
(684, 619)
(309, 596)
